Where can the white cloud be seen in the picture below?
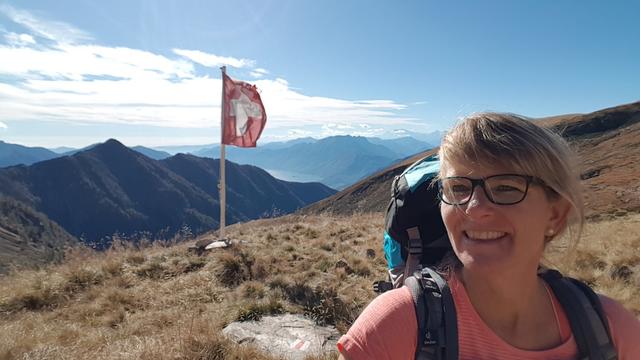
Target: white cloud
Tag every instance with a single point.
(91, 83)
(15, 39)
(258, 73)
(52, 30)
(347, 129)
(211, 60)
(77, 62)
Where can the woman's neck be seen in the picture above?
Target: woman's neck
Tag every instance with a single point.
(516, 306)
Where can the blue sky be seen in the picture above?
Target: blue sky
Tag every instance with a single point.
(74, 73)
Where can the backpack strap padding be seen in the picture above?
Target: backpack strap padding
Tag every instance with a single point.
(584, 311)
(449, 329)
(450, 318)
(436, 316)
(417, 295)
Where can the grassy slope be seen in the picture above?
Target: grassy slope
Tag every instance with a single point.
(165, 303)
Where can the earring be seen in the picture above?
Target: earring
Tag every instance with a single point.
(550, 232)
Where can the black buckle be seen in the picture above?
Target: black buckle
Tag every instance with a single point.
(381, 286)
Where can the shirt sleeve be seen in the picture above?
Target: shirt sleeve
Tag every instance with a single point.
(624, 327)
(386, 329)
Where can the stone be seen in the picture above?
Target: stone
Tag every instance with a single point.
(289, 336)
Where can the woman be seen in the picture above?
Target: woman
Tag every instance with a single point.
(507, 187)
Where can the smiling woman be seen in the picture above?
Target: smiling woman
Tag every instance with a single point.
(507, 188)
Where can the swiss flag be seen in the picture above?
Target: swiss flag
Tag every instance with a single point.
(244, 115)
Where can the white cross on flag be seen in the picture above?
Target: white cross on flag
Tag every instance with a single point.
(244, 115)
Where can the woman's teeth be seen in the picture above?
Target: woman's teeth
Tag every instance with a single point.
(485, 235)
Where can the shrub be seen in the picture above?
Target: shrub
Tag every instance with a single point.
(328, 309)
(112, 267)
(360, 267)
(255, 311)
(324, 265)
(82, 278)
(253, 290)
(327, 246)
(332, 355)
(153, 269)
(135, 258)
(236, 268)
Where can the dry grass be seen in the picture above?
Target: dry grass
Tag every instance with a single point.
(165, 303)
(608, 259)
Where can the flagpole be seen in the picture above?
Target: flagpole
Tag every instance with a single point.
(222, 185)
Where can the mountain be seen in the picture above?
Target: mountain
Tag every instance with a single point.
(111, 188)
(249, 188)
(288, 143)
(433, 137)
(75, 151)
(14, 154)
(607, 143)
(62, 149)
(28, 238)
(403, 146)
(185, 149)
(336, 161)
(154, 154)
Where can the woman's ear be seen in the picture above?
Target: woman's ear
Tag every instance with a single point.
(558, 216)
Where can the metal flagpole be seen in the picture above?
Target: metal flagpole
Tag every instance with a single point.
(222, 184)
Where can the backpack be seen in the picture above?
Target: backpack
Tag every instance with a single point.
(415, 240)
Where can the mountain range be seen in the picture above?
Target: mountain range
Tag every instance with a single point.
(111, 189)
(607, 143)
(336, 161)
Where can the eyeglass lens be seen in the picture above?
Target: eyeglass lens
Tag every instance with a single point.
(499, 189)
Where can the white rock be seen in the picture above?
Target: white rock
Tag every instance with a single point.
(290, 336)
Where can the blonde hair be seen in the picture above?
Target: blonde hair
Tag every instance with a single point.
(515, 142)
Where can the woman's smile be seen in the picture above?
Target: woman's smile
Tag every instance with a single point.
(484, 235)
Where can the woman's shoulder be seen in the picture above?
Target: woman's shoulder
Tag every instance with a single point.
(624, 327)
(386, 311)
(386, 328)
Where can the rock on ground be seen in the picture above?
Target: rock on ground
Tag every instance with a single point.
(290, 336)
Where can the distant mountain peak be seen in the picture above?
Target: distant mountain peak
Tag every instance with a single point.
(109, 145)
(113, 142)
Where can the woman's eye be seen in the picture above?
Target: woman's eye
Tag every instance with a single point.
(506, 188)
(459, 189)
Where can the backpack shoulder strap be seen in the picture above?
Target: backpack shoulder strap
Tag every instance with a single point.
(586, 316)
(435, 315)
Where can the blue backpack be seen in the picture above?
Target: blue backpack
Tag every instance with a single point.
(415, 241)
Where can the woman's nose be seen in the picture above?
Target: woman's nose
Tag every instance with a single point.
(479, 205)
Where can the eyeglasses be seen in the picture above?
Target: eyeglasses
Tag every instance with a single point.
(503, 189)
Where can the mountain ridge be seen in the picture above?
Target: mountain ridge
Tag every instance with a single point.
(112, 189)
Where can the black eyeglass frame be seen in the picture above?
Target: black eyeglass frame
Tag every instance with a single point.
(482, 181)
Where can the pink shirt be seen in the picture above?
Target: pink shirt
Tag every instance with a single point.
(387, 329)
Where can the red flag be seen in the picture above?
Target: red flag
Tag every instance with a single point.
(244, 115)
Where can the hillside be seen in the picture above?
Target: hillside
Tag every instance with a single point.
(112, 189)
(607, 143)
(167, 303)
(28, 238)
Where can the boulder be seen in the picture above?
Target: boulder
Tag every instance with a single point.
(289, 336)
